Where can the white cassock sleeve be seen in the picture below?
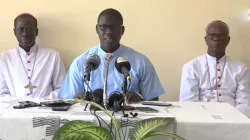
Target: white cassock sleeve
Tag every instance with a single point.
(59, 73)
(4, 91)
(189, 89)
(242, 98)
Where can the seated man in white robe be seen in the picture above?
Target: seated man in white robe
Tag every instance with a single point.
(29, 70)
(214, 76)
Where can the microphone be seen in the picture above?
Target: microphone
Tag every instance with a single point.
(97, 97)
(114, 100)
(92, 63)
(123, 66)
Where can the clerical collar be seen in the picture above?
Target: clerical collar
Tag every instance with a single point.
(115, 53)
(212, 58)
(32, 50)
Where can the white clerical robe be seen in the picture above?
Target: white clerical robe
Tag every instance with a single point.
(17, 66)
(226, 80)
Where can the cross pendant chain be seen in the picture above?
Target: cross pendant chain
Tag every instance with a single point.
(213, 88)
(30, 87)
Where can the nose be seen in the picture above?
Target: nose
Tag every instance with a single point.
(25, 32)
(108, 31)
(215, 38)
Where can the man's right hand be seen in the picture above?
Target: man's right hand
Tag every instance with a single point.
(133, 97)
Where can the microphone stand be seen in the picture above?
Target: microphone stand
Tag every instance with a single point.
(87, 94)
(124, 88)
(108, 58)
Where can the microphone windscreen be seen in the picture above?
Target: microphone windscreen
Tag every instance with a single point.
(98, 96)
(122, 62)
(94, 60)
(114, 96)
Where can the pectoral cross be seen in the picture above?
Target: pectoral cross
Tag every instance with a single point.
(30, 87)
(209, 97)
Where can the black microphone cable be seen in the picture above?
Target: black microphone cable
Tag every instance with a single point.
(125, 93)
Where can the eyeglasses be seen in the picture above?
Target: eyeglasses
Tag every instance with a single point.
(105, 27)
(22, 29)
(218, 36)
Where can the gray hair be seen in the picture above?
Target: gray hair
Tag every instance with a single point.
(217, 22)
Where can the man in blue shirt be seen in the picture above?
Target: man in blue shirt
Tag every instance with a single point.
(144, 80)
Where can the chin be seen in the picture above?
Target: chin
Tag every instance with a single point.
(109, 43)
(26, 45)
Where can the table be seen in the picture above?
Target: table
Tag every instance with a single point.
(194, 121)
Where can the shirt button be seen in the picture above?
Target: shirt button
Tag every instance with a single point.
(219, 94)
(219, 77)
(28, 69)
(28, 61)
(219, 85)
(217, 62)
(218, 69)
(28, 53)
(27, 94)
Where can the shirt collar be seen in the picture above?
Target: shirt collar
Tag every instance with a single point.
(212, 58)
(32, 50)
(115, 53)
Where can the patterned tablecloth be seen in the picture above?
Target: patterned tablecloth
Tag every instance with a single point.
(194, 121)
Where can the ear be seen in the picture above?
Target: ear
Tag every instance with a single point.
(14, 30)
(206, 40)
(96, 28)
(123, 29)
(228, 40)
(37, 32)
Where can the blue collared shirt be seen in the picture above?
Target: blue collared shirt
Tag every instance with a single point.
(144, 79)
